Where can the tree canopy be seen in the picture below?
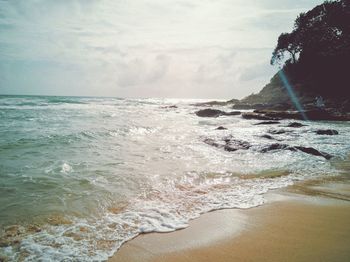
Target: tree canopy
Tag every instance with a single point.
(317, 51)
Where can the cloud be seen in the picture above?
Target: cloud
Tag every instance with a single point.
(141, 48)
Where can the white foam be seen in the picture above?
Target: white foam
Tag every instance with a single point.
(66, 168)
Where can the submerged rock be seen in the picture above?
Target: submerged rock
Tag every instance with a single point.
(212, 142)
(252, 115)
(313, 114)
(268, 123)
(267, 136)
(228, 144)
(307, 150)
(234, 145)
(14, 230)
(169, 107)
(329, 132)
(313, 151)
(272, 147)
(208, 112)
(278, 132)
(295, 124)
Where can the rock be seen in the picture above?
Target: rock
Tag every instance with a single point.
(312, 114)
(169, 107)
(212, 142)
(275, 146)
(232, 113)
(221, 128)
(252, 115)
(313, 151)
(307, 150)
(208, 112)
(329, 132)
(278, 132)
(267, 123)
(234, 145)
(9, 242)
(267, 136)
(280, 114)
(33, 228)
(295, 124)
(228, 144)
(14, 230)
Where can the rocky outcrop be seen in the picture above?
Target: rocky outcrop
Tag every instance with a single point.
(313, 151)
(313, 114)
(208, 112)
(275, 146)
(307, 150)
(329, 132)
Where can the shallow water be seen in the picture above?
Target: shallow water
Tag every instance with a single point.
(91, 173)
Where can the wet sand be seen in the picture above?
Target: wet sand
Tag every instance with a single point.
(306, 222)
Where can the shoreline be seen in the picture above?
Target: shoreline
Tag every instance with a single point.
(308, 221)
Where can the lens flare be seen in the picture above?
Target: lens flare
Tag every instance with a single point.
(291, 93)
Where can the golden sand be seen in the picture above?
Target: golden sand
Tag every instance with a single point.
(307, 225)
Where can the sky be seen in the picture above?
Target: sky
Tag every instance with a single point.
(217, 49)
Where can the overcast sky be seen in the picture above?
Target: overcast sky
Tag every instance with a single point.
(141, 48)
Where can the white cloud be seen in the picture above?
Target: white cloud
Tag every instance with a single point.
(141, 48)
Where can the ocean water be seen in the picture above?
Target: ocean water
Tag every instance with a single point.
(80, 176)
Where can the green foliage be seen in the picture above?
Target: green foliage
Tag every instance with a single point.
(317, 51)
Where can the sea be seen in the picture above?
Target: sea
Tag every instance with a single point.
(80, 176)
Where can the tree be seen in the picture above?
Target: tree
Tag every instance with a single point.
(318, 48)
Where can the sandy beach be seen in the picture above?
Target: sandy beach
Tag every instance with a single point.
(306, 222)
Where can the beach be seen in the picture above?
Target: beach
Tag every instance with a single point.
(123, 168)
(306, 222)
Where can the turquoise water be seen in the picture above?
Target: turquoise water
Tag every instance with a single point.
(91, 173)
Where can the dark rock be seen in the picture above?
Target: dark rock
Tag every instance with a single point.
(232, 113)
(268, 123)
(208, 112)
(280, 114)
(313, 151)
(228, 144)
(230, 148)
(240, 106)
(275, 146)
(212, 142)
(295, 124)
(329, 132)
(257, 116)
(267, 136)
(312, 114)
(307, 150)
(173, 106)
(260, 106)
(221, 128)
(233, 145)
(278, 132)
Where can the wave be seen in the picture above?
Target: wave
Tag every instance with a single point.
(167, 206)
